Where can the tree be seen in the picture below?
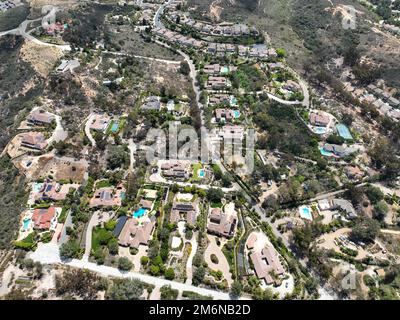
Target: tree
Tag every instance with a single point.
(335, 139)
(113, 246)
(215, 195)
(169, 274)
(227, 180)
(365, 229)
(374, 194)
(144, 260)
(124, 264)
(281, 52)
(236, 289)
(184, 68)
(199, 275)
(380, 210)
(167, 293)
(125, 289)
(70, 249)
(117, 157)
(77, 282)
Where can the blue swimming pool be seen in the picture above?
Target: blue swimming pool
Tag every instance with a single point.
(325, 153)
(37, 186)
(201, 173)
(344, 132)
(236, 114)
(114, 127)
(233, 101)
(27, 223)
(224, 70)
(319, 130)
(139, 213)
(305, 213)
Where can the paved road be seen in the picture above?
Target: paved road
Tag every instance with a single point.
(59, 134)
(94, 221)
(396, 232)
(49, 254)
(87, 129)
(21, 31)
(189, 262)
(157, 21)
(119, 53)
(132, 149)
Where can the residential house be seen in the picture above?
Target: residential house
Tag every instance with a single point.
(346, 206)
(133, 233)
(108, 197)
(223, 223)
(337, 150)
(224, 115)
(152, 103)
(232, 132)
(266, 262)
(146, 204)
(52, 191)
(175, 169)
(68, 65)
(354, 172)
(44, 219)
(34, 140)
(100, 123)
(219, 99)
(216, 82)
(40, 117)
(319, 119)
(186, 210)
(212, 69)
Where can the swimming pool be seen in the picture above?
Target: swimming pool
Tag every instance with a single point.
(236, 114)
(305, 213)
(233, 101)
(201, 173)
(319, 130)
(344, 132)
(114, 127)
(325, 153)
(27, 223)
(224, 70)
(37, 186)
(139, 213)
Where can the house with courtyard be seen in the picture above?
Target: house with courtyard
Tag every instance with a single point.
(108, 197)
(222, 222)
(184, 210)
(132, 232)
(266, 263)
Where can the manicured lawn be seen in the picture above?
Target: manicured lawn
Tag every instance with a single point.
(196, 167)
(100, 237)
(103, 184)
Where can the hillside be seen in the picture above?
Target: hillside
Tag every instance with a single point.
(310, 31)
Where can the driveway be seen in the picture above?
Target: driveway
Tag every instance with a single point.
(87, 130)
(59, 133)
(222, 264)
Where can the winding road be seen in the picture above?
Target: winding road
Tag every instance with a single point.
(21, 31)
